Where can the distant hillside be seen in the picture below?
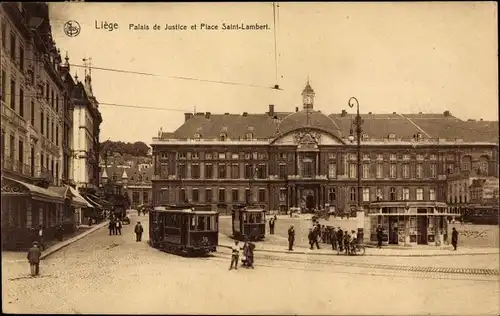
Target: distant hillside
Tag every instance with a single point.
(137, 149)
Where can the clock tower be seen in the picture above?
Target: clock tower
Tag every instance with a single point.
(308, 97)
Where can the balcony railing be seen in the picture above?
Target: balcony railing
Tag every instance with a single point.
(12, 116)
(17, 167)
(43, 173)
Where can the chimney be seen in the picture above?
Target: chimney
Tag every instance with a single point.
(207, 115)
(187, 116)
(227, 113)
(481, 120)
(245, 114)
(344, 113)
(271, 110)
(296, 109)
(447, 113)
(369, 112)
(393, 112)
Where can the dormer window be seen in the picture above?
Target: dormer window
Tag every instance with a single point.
(181, 155)
(197, 135)
(249, 136)
(223, 137)
(392, 136)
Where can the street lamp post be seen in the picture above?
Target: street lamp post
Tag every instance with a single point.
(254, 171)
(358, 130)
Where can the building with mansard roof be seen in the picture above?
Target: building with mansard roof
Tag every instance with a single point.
(305, 158)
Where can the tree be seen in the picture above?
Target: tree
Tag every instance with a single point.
(136, 149)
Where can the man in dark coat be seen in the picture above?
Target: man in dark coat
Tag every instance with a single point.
(138, 231)
(454, 238)
(291, 238)
(118, 227)
(340, 239)
(271, 226)
(380, 234)
(111, 226)
(34, 254)
(315, 237)
(333, 238)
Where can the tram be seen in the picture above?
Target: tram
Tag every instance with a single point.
(249, 223)
(184, 229)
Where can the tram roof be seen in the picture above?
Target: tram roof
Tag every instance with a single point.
(253, 210)
(183, 211)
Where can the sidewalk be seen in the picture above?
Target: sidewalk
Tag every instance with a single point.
(275, 245)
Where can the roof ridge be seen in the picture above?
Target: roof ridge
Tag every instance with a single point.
(414, 124)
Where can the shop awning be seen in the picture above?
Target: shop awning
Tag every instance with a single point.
(103, 203)
(92, 202)
(12, 187)
(78, 200)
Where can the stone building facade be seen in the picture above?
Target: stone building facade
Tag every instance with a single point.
(304, 158)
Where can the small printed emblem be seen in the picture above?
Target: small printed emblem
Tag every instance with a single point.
(72, 28)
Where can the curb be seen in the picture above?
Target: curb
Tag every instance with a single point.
(302, 252)
(68, 242)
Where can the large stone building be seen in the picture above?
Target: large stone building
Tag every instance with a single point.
(305, 158)
(36, 130)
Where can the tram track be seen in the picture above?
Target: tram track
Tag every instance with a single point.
(400, 268)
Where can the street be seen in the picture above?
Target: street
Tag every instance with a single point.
(115, 274)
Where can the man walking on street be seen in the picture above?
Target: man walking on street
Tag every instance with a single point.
(340, 239)
(380, 234)
(118, 227)
(34, 254)
(235, 255)
(138, 231)
(333, 238)
(291, 238)
(454, 238)
(111, 226)
(271, 226)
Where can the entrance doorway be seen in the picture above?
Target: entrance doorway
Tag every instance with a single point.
(422, 230)
(309, 201)
(393, 230)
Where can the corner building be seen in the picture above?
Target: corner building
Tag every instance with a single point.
(304, 158)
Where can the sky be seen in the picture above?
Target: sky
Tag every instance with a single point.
(393, 57)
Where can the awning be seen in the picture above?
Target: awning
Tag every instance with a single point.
(93, 203)
(12, 187)
(98, 200)
(78, 200)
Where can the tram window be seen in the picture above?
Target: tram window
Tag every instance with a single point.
(209, 223)
(216, 223)
(193, 223)
(251, 218)
(244, 218)
(201, 222)
(258, 219)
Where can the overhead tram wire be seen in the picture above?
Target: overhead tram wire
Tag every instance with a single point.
(276, 24)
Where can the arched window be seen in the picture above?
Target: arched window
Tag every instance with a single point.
(483, 165)
(466, 163)
(393, 194)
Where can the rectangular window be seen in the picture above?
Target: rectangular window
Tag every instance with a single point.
(366, 194)
(235, 195)
(262, 195)
(52, 98)
(380, 168)
(196, 195)
(182, 171)
(352, 171)
(366, 171)
(332, 195)
(47, 91)
(32, 110)
(208, 156)
(248, 171)
(13, 46)
(13, 94)
(432, 170)
(57, 103)
(20, 152)
(261, 171)
(57, 135)
(247, 195)
(208, 195)
(42, 122)
(4, 86)
(222, 171)
(209, 171)
(52, 131)
(307, 171)
(332, 170)
(222, 155)
(392, 171)
(164, 170)
(282, 195)
(432, 194)
(222, 195)
(235, 171)
(420, 171)
(21, 58)
(282, 171)
(406, 171)
(380, 194)
(47, 126)
(195, 171)
(182, 196)
(234, 156)
(4, 34)
(406, 194)
(21, 103)
(420, 194)
(353, 194)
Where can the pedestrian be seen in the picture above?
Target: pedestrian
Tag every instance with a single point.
(315, 237)
(250, 257)
(138, 231)
(34, 254)
(41, 236)
(271, 226)
(454, 238)
(291, 238)
(380, 234)
(340, 239)
(118, 227)
(139, 211)
(346, 242)
(111, 227)
(60, 232)
(235, 255)
(310, 237)
(333, 238)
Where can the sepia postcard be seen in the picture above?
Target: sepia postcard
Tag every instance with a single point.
(258, 158)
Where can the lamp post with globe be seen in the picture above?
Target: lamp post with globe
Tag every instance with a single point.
(357, 133)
